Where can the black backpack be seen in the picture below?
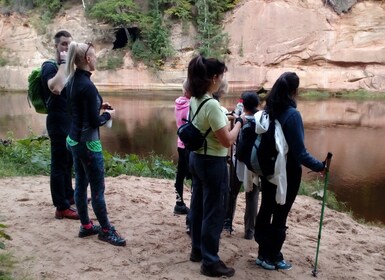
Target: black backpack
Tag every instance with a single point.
(257, 151)
(191, 136)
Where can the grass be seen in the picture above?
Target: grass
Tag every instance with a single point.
(112, 60)
(6, 260)
(6, 266)
(314, 188)
(355, 94)
(31, 156)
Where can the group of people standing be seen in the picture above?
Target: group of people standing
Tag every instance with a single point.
(73, 122)
(211, 203)
(74, 117)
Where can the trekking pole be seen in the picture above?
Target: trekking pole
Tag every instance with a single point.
(327, 166)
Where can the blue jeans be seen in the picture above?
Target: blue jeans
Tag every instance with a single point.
(89, 168)
(209, 184)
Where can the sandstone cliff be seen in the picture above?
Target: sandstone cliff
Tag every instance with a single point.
(329, 51)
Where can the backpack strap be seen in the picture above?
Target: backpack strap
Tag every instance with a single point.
(200, 106)
(208, 130)
(49, 99)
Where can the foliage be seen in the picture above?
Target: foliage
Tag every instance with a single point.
(114, 59)
(28, 156)
(240, 51)
(359, 94)
(6, 264)
(156, 38)
(180, 9)
(213, 41)
(6, 261)
(31, 156)
(3, 235)
(19, 6)
(116, 12)
(152, 166)
(3, 58)
(315, 189)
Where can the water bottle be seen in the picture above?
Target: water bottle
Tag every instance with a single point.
(109, 123)
(239, 108)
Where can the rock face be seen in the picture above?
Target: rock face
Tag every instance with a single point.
(329, 51)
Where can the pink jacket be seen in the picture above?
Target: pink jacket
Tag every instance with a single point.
(181, 112)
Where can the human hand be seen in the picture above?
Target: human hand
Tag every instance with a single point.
(106, 106)
(111, 112)
(63, 56)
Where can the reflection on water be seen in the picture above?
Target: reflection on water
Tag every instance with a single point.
(352, 130)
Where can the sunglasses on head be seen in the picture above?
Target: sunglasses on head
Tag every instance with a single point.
(89, 46)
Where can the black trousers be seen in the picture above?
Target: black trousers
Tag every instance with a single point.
(61, 161)
(182, 172)
(270, 226)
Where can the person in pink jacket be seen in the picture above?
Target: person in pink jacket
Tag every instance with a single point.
(182, 104)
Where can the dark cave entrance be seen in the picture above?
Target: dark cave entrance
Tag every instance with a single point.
(122, 36)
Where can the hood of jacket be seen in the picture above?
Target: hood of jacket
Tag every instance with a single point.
(182, 103)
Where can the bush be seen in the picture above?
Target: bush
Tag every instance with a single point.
(112, 60)
(31, 156)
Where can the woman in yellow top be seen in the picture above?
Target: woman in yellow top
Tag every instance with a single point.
(208, 166)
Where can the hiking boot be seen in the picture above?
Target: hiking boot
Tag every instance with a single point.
(195, 255)
(111, 236)
(218, 269)
(284, 265)
(181, 209)
(69, 213)
(83, 232)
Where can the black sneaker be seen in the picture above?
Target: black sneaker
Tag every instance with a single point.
(218, 269)
(181, 209)
(87, 232)
(112, 237)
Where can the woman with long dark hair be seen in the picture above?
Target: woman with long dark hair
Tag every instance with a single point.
(208, 165)
(270, 227)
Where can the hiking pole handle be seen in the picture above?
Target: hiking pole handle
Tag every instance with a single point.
(328, 161)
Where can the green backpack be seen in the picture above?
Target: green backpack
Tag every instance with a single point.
(36, 92)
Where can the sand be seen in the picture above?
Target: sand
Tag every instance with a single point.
(157, 244)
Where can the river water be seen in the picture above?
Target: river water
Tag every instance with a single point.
(353, 130)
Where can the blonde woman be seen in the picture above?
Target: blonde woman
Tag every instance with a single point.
(83, 140)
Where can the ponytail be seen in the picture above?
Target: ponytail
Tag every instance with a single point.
(70, 66)
(200, 73)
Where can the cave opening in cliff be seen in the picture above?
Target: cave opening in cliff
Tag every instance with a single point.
(122, 36)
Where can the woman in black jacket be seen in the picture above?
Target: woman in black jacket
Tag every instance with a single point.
(270, 227)
(85, 103)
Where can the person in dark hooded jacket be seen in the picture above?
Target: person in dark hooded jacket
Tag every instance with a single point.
(270, 226)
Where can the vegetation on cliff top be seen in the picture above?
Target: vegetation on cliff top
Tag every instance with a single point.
(151, 20)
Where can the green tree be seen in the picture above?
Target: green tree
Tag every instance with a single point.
(116, 12)
(213, 42)
(180, 9)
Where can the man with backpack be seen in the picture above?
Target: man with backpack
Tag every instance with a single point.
(58, 126)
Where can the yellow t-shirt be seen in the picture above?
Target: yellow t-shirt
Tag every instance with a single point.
(210, 115)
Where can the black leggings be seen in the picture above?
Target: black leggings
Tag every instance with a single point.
(182, 172)
(270, 227)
